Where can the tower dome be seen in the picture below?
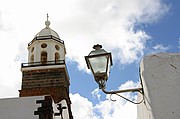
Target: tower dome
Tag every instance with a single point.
(46, 32)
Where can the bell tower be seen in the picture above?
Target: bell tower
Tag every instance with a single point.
(46, 72)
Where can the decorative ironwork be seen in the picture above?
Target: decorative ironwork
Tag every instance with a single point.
(46, 109)
(138, 90)
(60, 108)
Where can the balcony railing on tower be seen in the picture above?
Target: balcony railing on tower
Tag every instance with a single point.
(33, 64)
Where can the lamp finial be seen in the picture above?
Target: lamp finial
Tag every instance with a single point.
(97, 47)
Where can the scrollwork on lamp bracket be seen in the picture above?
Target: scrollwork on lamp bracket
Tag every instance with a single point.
(116, 92)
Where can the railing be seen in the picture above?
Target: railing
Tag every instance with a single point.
(45, 38)
(33, 64)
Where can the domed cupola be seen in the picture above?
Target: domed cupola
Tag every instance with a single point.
(46, 46)
(47, 32)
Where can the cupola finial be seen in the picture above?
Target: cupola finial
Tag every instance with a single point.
(47, 16)
(47, 23)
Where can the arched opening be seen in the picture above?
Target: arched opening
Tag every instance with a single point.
(32, 59)
(57, 57)
(43, 57)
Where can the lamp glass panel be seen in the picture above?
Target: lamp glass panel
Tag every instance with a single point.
(108, 67)
(98, 64)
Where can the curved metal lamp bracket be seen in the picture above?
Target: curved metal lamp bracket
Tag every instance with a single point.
(139, 90)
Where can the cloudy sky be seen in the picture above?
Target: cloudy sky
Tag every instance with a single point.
(129, 29)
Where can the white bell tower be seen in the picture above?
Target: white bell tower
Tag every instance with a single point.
(46, 73)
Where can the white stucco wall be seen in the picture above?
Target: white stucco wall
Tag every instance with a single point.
(24, 107)
(160, 74)
(19, 108)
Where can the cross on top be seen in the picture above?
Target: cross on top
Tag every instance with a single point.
(47, 23)
(47, 16)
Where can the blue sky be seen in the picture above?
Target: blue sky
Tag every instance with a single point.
(128, 29)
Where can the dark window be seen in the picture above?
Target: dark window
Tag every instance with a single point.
(43, 57)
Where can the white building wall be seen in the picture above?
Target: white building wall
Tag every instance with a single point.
(19, 108)
(160, 74)
(24, 107)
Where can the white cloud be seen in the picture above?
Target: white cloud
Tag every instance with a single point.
(83, 23)
(5, 24)
(129, 84)
(10, 79)
(112, 24)
(116, 110)
(96, 94)
(82, 108)
(160, 48)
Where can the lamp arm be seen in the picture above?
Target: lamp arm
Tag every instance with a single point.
(140, 90)
(123, 91)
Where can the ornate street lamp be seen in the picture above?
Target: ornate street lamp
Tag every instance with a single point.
(100, 61)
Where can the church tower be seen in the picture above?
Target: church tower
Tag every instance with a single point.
(46, 72)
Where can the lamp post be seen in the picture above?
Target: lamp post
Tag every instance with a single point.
(100, 61)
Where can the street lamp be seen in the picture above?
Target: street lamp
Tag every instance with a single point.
(100, 61)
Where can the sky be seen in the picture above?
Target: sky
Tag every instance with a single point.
(128, 29)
